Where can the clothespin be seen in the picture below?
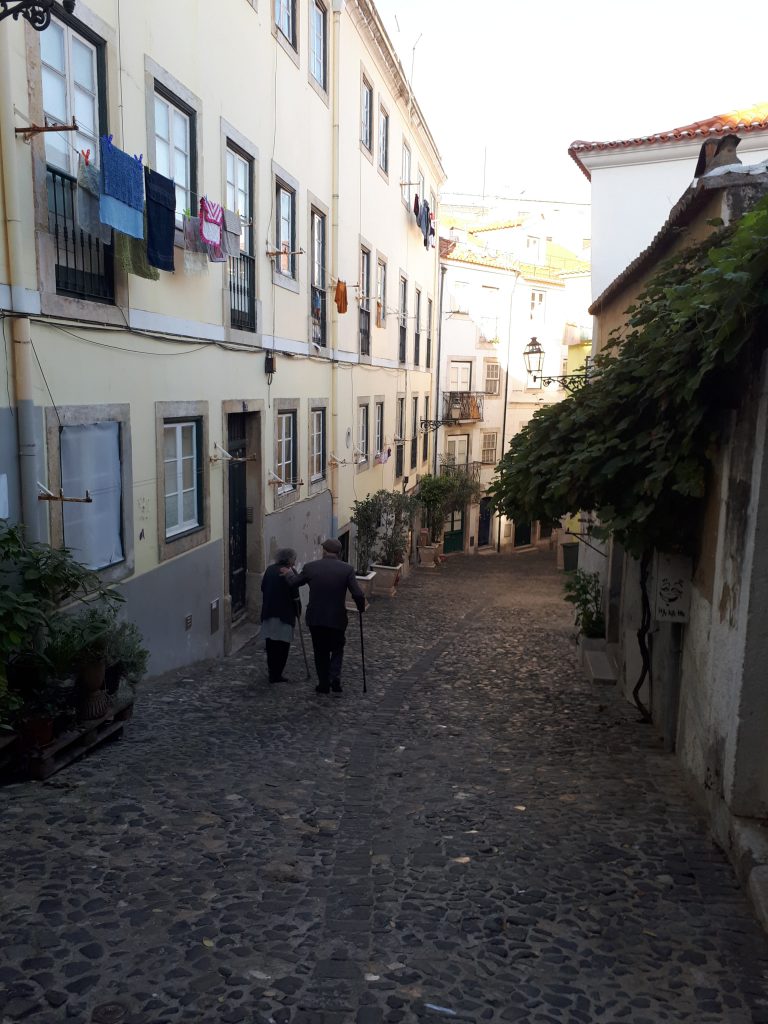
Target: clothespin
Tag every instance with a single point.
(140, 158)
(86, 156)
(108, 139)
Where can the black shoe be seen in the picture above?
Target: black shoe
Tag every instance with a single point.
(322, 689)
(336, 685)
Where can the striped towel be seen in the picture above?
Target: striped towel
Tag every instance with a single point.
(211, 220)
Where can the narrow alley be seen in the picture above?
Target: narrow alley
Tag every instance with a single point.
(483, 837)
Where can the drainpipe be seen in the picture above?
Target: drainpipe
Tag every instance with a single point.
(338, 9)
(439, 354)
(506, 393)
(23, 370)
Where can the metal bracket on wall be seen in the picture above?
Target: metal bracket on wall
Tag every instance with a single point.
(50, 496)
(226, 457)
(36, 129)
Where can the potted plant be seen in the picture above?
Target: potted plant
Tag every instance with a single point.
(81, 642)
(126, 657)
(434, 497)
(584, 591)
(366, 514)
(396, 517)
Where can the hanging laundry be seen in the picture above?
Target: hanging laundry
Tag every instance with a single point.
(340, 296)
(416, 206)
(383, 457)
(216, 254)
(161, 219)
(432, 236)
(230, 236)
(88, 195)
(131, 255)
(121, 204)
(195, 250)
(211, 221)
(317, 306)
(379, 314)
(423, 222)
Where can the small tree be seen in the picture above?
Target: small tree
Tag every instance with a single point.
(366, 515)
(397, 512)
(435, 495)
(584, 592)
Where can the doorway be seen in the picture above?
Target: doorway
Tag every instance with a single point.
(484, 528)
(453, 536)
(522, 534)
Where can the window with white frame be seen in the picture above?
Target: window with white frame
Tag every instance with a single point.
(285, 19)
(285, 229)
(70, 75)
(318, 16)
(366, 115)
(492, 378)
(285, 458)
(379, 427)
(537, 305)
(317, 445)
(383, 140)
(405, 175)
(90, 461)
(460, 297)
(174, 154)
(381, 294)
(239, 170)
(488, 450)
(183, 476)
(362, 437)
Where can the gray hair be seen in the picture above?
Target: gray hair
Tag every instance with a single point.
(285, 556)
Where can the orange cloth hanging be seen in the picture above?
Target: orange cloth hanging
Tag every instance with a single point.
(340, 297)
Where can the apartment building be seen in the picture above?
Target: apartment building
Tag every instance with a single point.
(229, 407)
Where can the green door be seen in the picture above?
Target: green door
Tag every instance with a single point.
(453, 537)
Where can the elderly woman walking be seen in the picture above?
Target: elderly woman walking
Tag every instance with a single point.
(278, 614)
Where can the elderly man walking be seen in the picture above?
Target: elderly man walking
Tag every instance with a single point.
(329, 579)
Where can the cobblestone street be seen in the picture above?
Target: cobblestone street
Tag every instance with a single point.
(483, 837)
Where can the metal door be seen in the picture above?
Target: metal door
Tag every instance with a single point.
(484, 529)
(453, 536)
(238, 512)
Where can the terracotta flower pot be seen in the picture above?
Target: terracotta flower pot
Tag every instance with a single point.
(94, 701)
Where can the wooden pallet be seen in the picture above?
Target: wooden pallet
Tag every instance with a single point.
(72, 745)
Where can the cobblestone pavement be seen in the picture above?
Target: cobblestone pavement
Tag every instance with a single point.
(481, 838)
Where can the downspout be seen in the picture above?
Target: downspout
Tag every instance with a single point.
(338, 8)
(443, 269)
(29, 449)
(506, 393)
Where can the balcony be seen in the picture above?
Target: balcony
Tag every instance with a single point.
(319, 317)
(449, 467)
(365, 331)
(85, 266)
(463, 406)
(242, 291)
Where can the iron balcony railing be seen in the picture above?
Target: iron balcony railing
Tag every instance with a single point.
(403, 339)
(85, 266)
(319, 335)
(242, 291)
(449, 467)
(462, 406)
(365, 331)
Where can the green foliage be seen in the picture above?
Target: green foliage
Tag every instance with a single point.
(366, 514)
(584, 592)
(441, 495)
(635, 444)
(125, 648)
(397, 512)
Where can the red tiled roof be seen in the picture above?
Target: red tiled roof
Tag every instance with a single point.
(750, 119)
(500, 225)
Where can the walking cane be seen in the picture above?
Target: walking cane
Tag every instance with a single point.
(362, 651)
(301, 634)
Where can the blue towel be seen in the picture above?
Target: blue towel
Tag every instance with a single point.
(122, 201)
(161, 219)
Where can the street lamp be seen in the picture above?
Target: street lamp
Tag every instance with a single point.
(533, 357)
(453, 417)
(36, 12)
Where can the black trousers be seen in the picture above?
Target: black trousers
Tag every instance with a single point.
(277, 655)
(328, 645)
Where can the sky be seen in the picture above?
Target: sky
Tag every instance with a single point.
(509, 84)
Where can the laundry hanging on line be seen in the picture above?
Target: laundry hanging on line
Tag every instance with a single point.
(195, 250)
(87, 201)
(121, 204)
(340, 296)
(131, 255)
(230, 236)
(161, 220)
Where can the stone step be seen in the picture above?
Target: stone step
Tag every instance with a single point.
(600, 668)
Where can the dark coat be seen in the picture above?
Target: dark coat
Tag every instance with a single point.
(329, 580)
(278, 601)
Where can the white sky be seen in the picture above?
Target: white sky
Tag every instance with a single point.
(524, 78)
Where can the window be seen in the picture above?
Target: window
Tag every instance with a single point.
(417, 330)
(537, 305)
(317, 223)
(414, 431)
(383, 140)
(90, 461)
(488, 451)
(425, 437)
(317, 35)
(492, 378)
(399, 439)
(183, 476)
(242, 275)
(285, 462)
(366, 115)
(459, 376)
(489, 313)
(460, 297)
(285, 19)
(429, 333)
(285, 227)
(379, 428)
(174, 125)
(362, 437)
(403, 341)
(365, 308)
(381, 294)
(70, 75)
(317, 445)
(405, 176)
